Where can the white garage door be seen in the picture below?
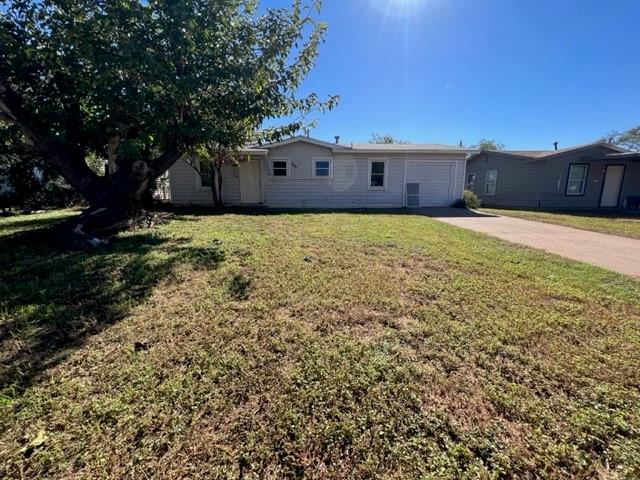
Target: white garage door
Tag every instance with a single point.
(435, 183)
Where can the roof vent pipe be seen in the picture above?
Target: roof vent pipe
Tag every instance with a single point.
(555, 145)
(337, 139)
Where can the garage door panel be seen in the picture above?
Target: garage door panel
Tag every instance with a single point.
(436, 181)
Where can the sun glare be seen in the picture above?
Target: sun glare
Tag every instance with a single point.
(399, 8)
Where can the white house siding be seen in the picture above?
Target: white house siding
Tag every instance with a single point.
(347, 188)
(437, 181)
(186, 190)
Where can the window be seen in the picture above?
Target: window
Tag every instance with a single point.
(280, 168)
(377, 174)
(491, 182)
(577, 179)
(321, 168)
(471, 181)
(206, 173)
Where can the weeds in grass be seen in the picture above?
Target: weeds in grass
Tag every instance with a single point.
(211, 347)
(239, 286)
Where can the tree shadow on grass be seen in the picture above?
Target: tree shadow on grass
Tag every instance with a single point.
(51, 301)
(183, 213)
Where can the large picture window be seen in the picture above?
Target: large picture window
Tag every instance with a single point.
(577, 179)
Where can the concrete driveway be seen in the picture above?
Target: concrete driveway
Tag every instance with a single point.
(615, 253)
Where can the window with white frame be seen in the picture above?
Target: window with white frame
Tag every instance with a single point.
(321, 168)
(471, 181)
(577, 179)
(377, 174)
(280, 167)
(491, 182)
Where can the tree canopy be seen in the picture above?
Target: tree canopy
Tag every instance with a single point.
(487, 144)
(140, 82)
(629, 140)
(385, 139)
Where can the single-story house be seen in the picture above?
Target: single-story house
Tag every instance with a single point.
(303, 172)
(586, 177)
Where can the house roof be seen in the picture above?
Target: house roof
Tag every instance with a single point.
(253, 151)
(301, 138)
(544, 154)
(633, 156)
(372, 147)
(407, 147)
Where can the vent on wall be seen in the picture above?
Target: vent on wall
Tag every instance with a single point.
(413, 195)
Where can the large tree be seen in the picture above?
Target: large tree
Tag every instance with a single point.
(488, 144)
(385, 139)
(629, 140)
(141, 82)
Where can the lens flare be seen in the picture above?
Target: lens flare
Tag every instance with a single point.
(399, 8)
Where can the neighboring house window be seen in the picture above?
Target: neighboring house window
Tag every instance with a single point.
(491, 182)
(577, 178)
(280, 168)
(471, 181)
(377, 174)
(321, 168)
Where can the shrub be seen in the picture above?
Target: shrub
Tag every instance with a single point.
(468, 200)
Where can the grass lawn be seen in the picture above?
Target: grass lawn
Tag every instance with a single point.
(326, 345)
(614, 224)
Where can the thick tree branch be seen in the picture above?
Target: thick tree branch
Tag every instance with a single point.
(164, 161)
(70, 164)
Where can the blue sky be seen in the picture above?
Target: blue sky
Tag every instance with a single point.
(523, 72)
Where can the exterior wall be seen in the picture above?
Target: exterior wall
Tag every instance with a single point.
(542, 183)
(631, 184)
(553, 195)
(186, 190)
(347, 187)
(519, 180)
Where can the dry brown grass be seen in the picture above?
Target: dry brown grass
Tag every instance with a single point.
(369, 345)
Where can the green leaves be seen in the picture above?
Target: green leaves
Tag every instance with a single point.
(629, 140)
(159, 74)
(486, 144)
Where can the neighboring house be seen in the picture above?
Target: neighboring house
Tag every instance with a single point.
(306, 173)
(586, 177)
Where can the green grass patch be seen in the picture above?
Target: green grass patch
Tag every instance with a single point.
(22, 223)
(625, 225)
(314, 345)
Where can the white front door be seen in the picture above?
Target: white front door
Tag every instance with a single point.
(612, 184)
(250, 182)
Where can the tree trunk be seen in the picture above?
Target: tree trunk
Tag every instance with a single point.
(218, 174)
(113, 208)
